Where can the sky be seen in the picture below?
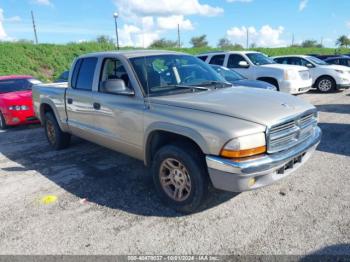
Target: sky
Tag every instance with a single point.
(270, 23)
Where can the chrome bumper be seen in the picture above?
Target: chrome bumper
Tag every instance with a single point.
(236, 176)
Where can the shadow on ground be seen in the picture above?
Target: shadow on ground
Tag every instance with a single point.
(334, 108)
(335, 138)
(331, 253)
(89, 171)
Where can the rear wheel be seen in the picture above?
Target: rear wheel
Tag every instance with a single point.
(2, 122)
(180, 177)
(325, 84)
(56, 137)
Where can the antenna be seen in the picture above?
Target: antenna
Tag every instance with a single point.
(34, 28)
(178, 36)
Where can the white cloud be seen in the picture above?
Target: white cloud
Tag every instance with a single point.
(266, 36)
(43, 2)
(3, 35)
(166, 7)
(171, 22)
(303, 4)
(131, 35)
(239, 1)
(348, 24)
(13, 19)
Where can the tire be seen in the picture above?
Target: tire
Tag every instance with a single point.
(3, 125)
(325, 84)
(55, 136)
(180, 166)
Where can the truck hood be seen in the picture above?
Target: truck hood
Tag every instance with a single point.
(256, 105)
(286, 67)
(17, 97)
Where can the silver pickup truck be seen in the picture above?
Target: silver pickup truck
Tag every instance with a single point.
(175, 113)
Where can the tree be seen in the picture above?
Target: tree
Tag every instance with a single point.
(310, 43)
(343, 41)
(224, 43)
(163, 43)
(199, 41)
(104, 39)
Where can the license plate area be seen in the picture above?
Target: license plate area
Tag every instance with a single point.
(291, 164)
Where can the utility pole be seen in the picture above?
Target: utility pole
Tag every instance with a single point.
(178, 36)
(292, 40)
(247, 38)
(34, 28)
(115, 15)
(322, 41)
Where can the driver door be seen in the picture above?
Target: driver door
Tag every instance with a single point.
(233, 63)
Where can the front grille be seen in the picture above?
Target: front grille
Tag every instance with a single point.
(292, 132)
(304, 74)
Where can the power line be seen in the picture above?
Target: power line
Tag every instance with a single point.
(34, 28)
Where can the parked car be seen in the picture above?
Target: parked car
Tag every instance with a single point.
(159, 107)
(63, 77)
(237, 79)
(339, 60)
(257, 66)
(16, 106)
(326, 77)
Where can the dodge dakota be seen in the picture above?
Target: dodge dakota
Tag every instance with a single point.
(182, 119)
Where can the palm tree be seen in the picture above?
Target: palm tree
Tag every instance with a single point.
(343, 41)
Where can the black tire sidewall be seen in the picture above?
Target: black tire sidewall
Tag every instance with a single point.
(199, 178)
(328, 78)
(3, 122)
(61, 139)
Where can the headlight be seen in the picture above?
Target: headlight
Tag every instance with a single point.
(18, 108)
(339, 71)
(245, 146)
(290, 74)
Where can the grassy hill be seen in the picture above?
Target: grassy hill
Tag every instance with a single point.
(47, 61)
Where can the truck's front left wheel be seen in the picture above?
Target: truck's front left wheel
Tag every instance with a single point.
(180, 177)
(56, 137)
(2, 122)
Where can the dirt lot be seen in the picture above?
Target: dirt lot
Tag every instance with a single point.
(306, 213)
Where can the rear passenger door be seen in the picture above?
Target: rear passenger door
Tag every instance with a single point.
(79, 99)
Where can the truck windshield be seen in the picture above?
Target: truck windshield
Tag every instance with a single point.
(166, 74)
(260, 59)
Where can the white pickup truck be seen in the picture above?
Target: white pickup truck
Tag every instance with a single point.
(257, 66)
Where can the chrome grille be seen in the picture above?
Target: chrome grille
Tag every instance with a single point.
(292, 132)
(305, 74)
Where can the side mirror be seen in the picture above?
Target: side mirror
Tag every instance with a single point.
(116, 86)
(309, 65)
(243, 64)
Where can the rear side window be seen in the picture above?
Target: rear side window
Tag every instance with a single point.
(203, 58)
(217, 60)
(83, 75)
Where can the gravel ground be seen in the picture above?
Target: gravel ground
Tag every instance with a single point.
(106, 204)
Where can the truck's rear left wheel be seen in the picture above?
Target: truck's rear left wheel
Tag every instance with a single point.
(56, 137)
(180, 177)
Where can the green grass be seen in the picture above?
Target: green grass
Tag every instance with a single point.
(48, 61)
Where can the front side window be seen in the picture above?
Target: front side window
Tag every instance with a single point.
(217, 60)
(85, 76)
(167, 74)
(233, 61)
(112, 68)
(317, 61)
(260, 59)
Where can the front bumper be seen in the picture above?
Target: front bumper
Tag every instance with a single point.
(238, 176)
(295, 86)
(15, 118)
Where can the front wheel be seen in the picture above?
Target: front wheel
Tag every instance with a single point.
(2, 122)
(56, 137)
(180, 177)
(325, 84)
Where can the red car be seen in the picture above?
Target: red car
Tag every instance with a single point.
(16, 105)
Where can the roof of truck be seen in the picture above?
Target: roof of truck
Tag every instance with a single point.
(228, 52)
(134, 53)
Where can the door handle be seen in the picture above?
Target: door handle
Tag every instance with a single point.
(97, 106)
(70, 101)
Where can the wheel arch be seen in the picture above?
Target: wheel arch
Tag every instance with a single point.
(270, 80)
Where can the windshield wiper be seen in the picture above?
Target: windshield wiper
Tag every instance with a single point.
(216, 84)
(193, 88)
